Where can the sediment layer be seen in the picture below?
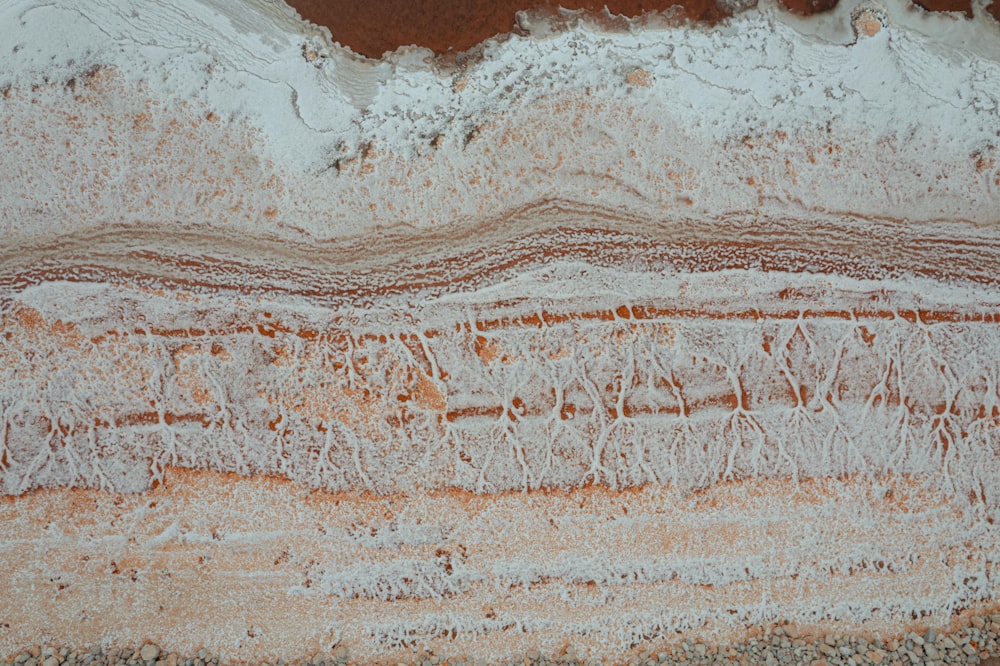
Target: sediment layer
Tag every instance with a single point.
(392, 384)
(281, 570)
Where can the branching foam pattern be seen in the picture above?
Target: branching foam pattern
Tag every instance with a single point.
(492, 396)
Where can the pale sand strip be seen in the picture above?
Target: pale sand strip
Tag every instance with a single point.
(259, 568)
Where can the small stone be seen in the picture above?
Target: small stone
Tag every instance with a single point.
(978, 641)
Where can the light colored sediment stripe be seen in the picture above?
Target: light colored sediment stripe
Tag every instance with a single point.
(260, 568)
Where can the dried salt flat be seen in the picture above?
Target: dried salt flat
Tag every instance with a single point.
(602, 340)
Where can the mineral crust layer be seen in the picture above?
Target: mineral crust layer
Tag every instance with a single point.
(603, 335)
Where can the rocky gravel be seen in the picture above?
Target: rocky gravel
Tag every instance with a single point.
(976, 643)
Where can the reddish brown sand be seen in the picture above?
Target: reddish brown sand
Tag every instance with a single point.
(808, 7)
(454, 26)
(371, 28)
(964, 6)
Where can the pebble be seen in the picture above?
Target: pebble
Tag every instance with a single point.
(776, 646)
(149, 652)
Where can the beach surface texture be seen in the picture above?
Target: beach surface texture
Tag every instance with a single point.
(607, 339)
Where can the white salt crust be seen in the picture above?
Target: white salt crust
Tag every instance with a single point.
(837, 125)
